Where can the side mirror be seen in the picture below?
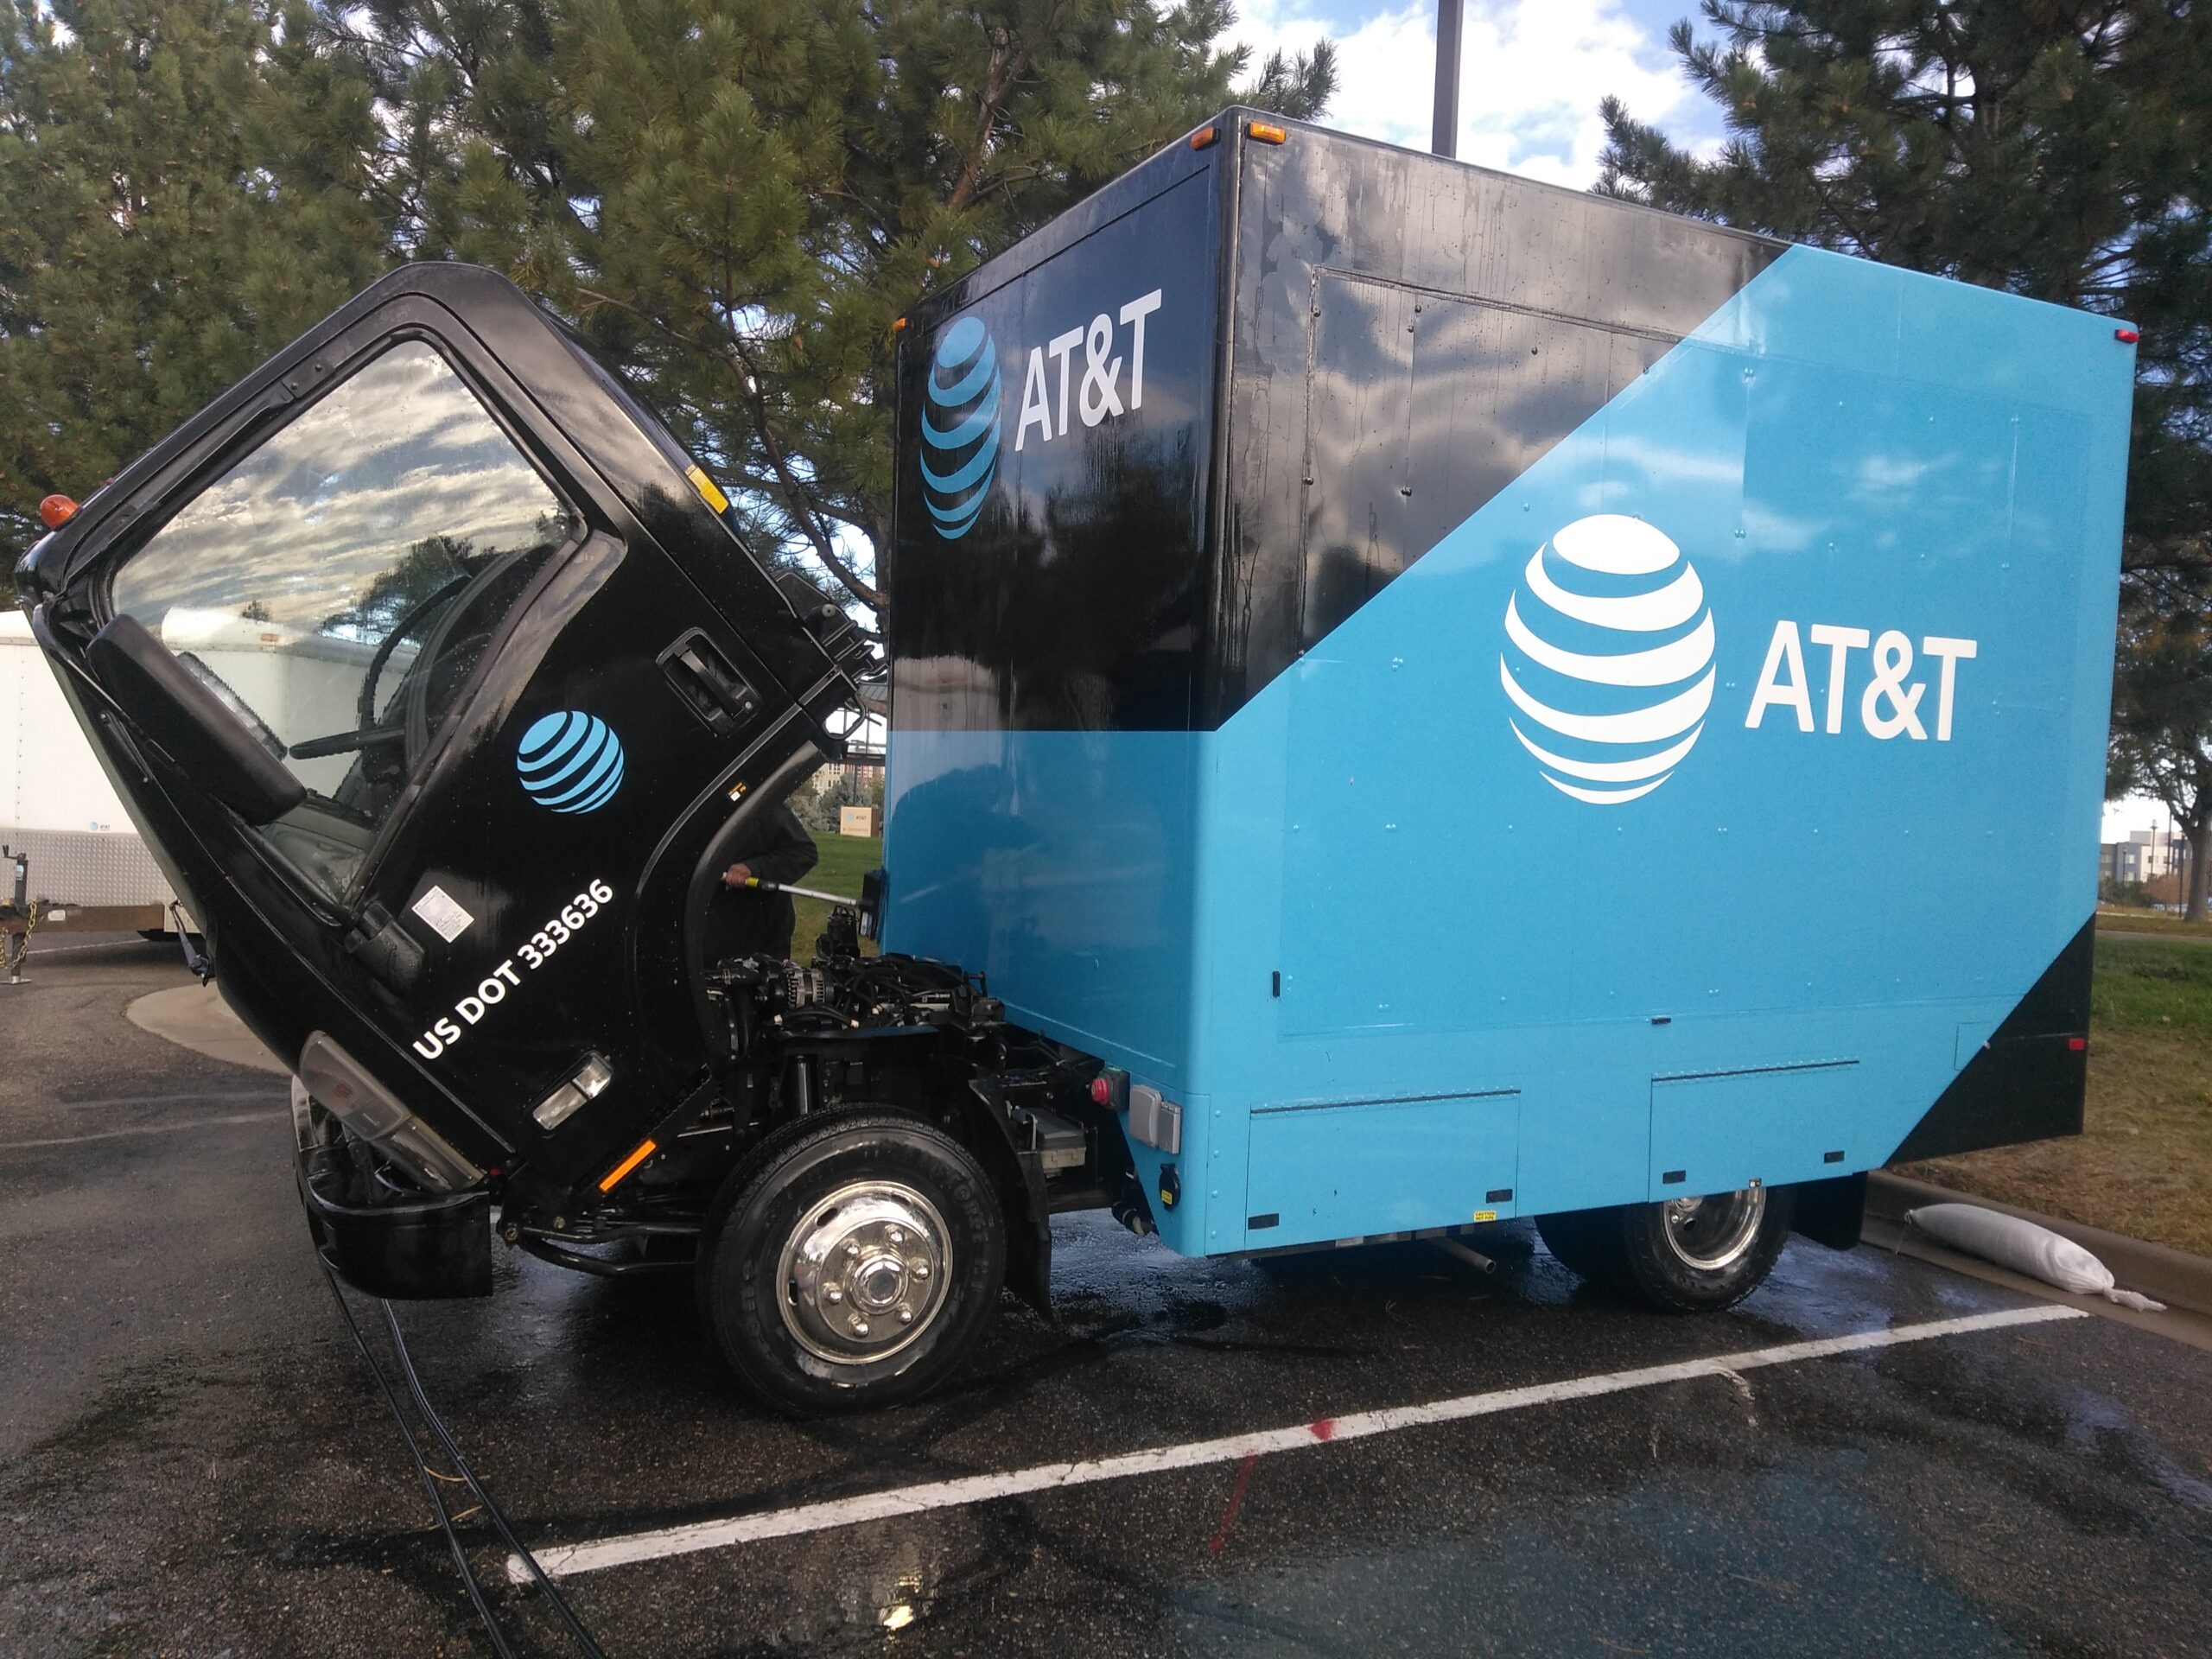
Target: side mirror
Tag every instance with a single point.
(168, 703)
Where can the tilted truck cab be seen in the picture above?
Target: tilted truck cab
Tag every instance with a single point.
(1418, 698)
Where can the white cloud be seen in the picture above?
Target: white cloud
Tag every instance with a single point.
(1531, 74)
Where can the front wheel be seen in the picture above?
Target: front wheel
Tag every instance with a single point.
(1683, 1254)
(851, 1262)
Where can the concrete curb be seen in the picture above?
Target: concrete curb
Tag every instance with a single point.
(2167, 1275)
(197, 1018)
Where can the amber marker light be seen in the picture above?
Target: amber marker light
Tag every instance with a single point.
(1261, 132)
(56, 511)
(1205, 137)
(899, 325)
(645, 1149)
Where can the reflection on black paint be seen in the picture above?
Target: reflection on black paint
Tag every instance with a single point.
(1407, 336)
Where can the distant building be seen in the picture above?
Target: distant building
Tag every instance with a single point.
(2122, 863)
(2146, 857)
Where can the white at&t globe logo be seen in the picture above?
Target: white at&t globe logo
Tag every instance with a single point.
(1608, 660)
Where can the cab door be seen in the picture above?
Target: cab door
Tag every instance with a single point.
(451, 579)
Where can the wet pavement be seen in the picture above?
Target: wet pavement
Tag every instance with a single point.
(192, 1460)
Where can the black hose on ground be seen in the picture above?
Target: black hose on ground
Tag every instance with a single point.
(501, 1647)
(492, 1629)
(492, 1510)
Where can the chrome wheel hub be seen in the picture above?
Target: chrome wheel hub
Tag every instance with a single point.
(863, 1273)
(1711, 1234)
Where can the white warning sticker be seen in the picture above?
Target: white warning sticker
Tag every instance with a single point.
(438, 908)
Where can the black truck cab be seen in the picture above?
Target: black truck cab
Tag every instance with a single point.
(435, 673)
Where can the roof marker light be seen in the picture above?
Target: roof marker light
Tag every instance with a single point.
(1205, 137)
(56, 511)
(1264, 132)
(2127, 336)
(709, 492)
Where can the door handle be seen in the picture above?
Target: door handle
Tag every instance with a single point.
(704, 680)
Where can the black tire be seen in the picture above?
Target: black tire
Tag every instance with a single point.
(920, 1215)
(1691, 1256)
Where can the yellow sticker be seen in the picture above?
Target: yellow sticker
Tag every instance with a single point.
(713, 497)
(1485, 1215)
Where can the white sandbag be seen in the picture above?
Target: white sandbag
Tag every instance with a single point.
(2025, 1248)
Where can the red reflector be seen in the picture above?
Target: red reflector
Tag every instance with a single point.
(2127, 336)
(56, 511)
(1101, 1092)
(2077, 1044)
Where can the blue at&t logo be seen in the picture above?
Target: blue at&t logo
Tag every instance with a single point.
(960, 428)
(570, 761)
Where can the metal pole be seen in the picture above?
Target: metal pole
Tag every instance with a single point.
(1444, 140)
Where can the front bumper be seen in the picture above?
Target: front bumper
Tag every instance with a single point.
(397, 1244)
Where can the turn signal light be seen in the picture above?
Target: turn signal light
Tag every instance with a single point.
(56, 511)
(645, 1149)
(1262, 132)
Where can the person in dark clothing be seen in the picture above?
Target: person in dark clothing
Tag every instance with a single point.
(744, 921)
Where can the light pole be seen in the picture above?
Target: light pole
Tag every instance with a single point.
(1444, 135)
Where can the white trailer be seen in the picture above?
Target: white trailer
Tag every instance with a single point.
(59, 811)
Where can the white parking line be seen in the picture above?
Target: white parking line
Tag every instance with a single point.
(565, 1560)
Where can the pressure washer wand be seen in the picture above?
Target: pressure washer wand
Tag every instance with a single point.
(803, 892)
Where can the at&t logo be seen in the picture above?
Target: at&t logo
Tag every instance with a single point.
(569, 761)
(1608, 660)
(960, 427)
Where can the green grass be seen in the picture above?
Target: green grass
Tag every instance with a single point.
(844, 860)
(2127, 919)
(2143, 1163)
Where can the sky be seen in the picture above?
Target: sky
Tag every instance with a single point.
(1532, 72)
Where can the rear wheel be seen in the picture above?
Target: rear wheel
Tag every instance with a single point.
(851, 1262)
(1685, 1254)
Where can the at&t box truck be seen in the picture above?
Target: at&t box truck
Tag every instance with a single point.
(1419, 698)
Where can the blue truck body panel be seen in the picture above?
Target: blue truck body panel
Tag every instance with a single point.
(1691, 811)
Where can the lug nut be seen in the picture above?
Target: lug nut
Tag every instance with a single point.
(860, 1327)
(897, 1236)
(852, 1249)
(920, 1269)
(833, 1295)
(905, 1315)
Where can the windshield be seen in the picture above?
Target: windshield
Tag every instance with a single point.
(338, 586)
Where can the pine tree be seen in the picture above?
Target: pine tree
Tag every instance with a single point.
(2061, 151)
(735, 198)
(2162, 726)
(153, 245)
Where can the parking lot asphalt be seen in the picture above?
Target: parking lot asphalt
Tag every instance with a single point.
(192, 1460)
